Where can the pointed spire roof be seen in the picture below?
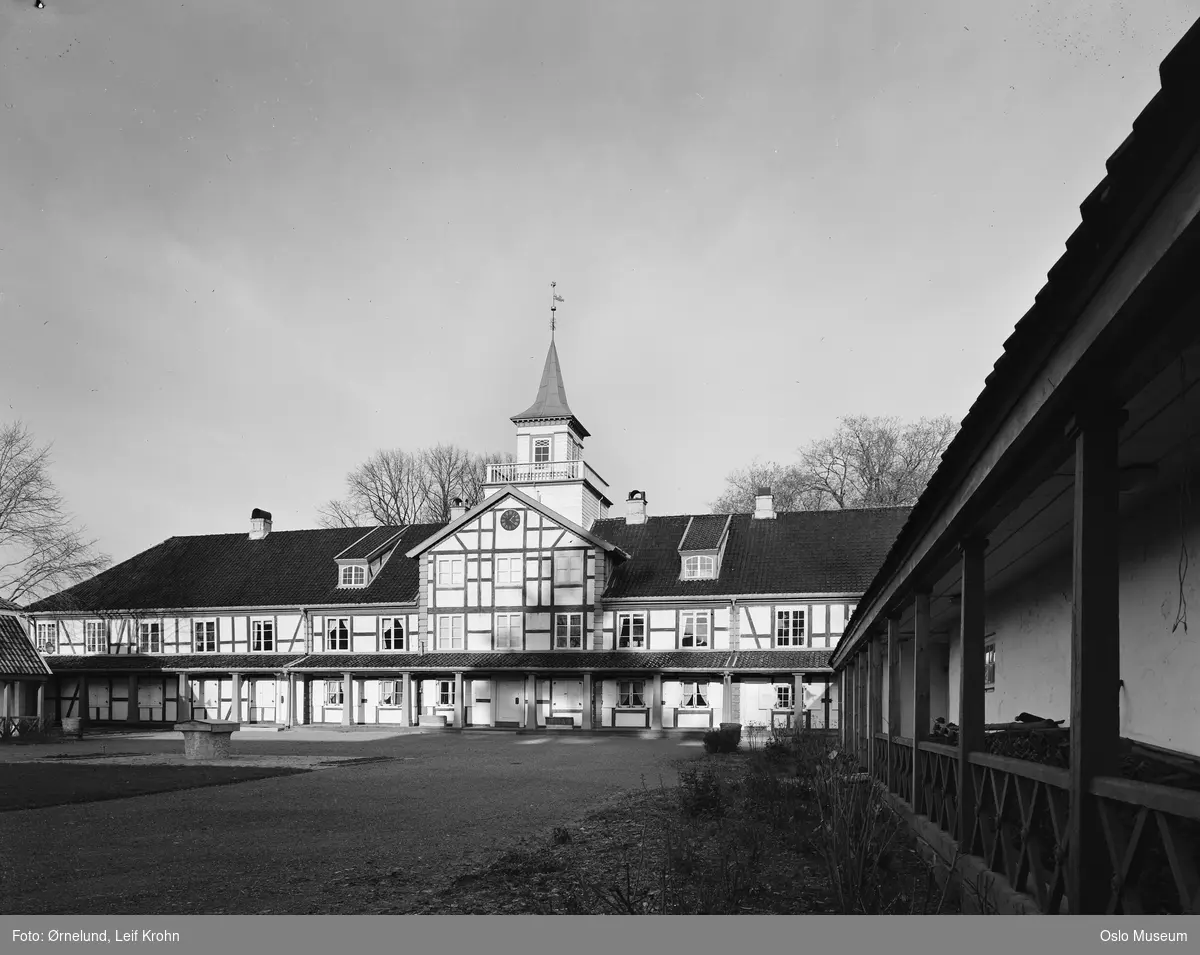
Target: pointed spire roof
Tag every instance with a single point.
(551, 400)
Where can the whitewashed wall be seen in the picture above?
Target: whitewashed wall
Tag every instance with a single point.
(1030, 623)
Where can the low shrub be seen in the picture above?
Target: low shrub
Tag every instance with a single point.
(777, 750)
(700, 792)
(723, 740)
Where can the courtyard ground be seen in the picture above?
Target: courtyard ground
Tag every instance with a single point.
(378, 836)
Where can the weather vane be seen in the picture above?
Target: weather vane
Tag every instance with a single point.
(555, 298)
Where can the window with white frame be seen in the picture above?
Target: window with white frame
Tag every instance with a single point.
(95, 636)
(450, 629)
(695, 695)
(568, 631)
(541, 451)
(789, 628)
(508, 631)
(450, 571)
(631, 693)
(568, 568)
(150, 636)
(631, 631)
(392, 633)
(445, 693)
(784, 696)
(262, 636)
(989, 665)
(334, 691)
(47, 636)
(509, 571)
(694, 628)
(204, 636)
(337, 633)
(391, 693)
(354, 575)
(699, 567)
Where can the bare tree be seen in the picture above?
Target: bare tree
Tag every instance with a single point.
(41, 550)
(867, 462)
(399, 487)
(788, 489)
(447, 468)
(476, 475)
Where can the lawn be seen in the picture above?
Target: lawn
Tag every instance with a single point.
(37, 785)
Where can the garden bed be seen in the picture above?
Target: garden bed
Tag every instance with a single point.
(736, 836)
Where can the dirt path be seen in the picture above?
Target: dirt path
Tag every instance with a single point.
(374, 837)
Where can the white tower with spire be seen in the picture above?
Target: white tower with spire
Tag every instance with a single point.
(550, 465)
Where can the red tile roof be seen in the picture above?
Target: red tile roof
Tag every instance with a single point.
(285, 568)
(18, 657)
(130, 662)
(800, 552)
(706, 660)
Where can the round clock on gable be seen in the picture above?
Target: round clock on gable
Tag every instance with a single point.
(510, 520)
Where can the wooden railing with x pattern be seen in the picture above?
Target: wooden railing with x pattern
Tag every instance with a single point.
(1153, 838)
(939, 784)
(15, 727)
(1021, 825)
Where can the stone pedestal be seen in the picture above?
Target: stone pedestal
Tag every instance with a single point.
(203, 739)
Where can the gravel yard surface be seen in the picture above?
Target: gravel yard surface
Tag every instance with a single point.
(361, 837)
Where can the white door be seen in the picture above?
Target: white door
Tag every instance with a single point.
(510, 701)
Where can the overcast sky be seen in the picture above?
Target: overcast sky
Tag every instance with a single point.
(243, 245)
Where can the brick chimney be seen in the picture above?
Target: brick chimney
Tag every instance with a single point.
(260, 524)
(457, 509)
(635, 508)
(764, 504)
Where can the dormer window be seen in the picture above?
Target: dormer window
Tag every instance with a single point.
(703, 545)
(354, 575)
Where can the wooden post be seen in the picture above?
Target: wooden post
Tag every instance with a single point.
(586, 722)
(406, 688)
(893, 717)
(841, 710)
(185, 698)
(460, 704)
(851, 705)
(1095, 655)
(798, 703)
(825, 699)
(131, 707)
(920, 692)
(235, 711)
(292, 711)
(41, 699)
(530, 702)
(970, 687)
(656, 702)
(727, 714)
(347, 698)
(864, 682)
(874, 703)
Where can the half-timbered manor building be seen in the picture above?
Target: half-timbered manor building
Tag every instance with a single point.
(534, 609)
